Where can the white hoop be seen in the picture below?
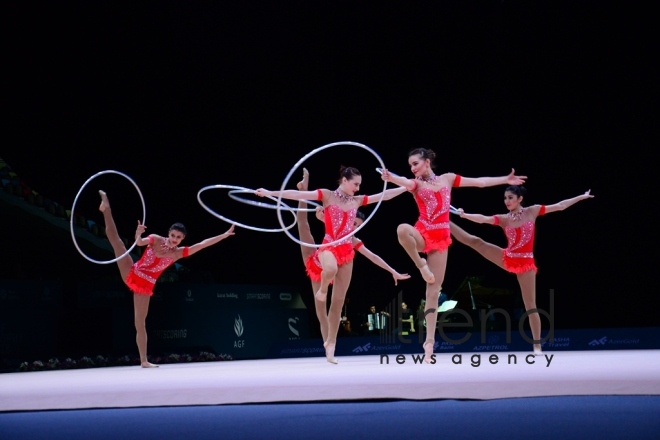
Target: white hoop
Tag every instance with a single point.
(451, 208)
(232, 222)
(73, 209)
(300, 162)
(267, 205)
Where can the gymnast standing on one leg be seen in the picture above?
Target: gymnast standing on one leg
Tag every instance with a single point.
(336, 260)
(310, 254)
(519, 227)
(430, 234)
(140, 277)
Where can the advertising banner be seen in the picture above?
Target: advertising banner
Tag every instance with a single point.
(242, 332)
(192, 295)
(28, 332)
(30, 312)
(476, 342)
(30, 294)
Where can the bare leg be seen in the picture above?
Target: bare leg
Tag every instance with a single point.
(329, 265)
(304, 230)
(339, 289)
(437, 262)
(113, 236)
(527, 281)
(140, 302)
(489, 251)
(305, 234)
(141, 307)
(413, 243)
(321, 311)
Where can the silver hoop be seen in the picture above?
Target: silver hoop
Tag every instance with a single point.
(300, 162)
(232, 222)
(267, 205)
(73, 209)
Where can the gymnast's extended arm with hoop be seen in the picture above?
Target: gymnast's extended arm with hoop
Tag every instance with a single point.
(388, 194)
(396, 179)
(290, 194)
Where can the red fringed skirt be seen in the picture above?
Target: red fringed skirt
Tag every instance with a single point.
(518, 265)
(139, 285)
(343, 253)
(434, 239)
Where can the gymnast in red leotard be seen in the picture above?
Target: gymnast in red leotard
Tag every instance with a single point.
(311, 259)
(141, 277)
(340, 208)
(430, 234)
(518, 257)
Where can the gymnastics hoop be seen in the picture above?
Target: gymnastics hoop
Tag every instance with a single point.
(232, 222)
(300, 162)
(451, 208)
(267, 205)
(73, 210)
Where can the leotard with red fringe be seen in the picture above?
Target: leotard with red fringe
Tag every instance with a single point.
(518, 257)
(144, 273)
(338, 224)
(433, 222)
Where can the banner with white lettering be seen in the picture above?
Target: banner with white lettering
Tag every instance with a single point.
(477, 342)
(243, 333)
(193, 295)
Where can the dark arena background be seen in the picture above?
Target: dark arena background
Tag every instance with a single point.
(180, 96)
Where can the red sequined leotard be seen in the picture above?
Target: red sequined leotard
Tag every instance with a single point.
(518, 257)
(433, 222)
(144, 273)
(338, 224)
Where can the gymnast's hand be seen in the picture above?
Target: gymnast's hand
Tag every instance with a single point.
(319, 213)
(512, 179)
(385, 175)
(460, 212)
(263, 192)
(399, 276)
(229, 232)
(140, 228)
